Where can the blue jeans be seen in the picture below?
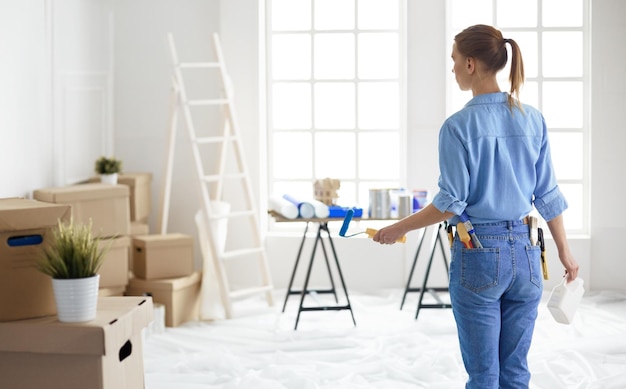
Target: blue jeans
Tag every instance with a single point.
(495, 292)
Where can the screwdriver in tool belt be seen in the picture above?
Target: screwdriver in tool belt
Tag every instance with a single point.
(544, 262)
(464, 237)
(470, 230)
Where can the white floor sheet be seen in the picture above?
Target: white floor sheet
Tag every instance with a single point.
(388, 348)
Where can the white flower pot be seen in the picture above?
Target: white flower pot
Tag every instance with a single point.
(76, 299)
(108, 178)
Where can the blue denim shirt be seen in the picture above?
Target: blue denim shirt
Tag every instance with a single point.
(495, 163)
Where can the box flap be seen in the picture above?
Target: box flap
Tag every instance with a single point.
(165, 284)
(18, 214)
(162, 240)
(89, 191)
(118, 319)
(120, 241)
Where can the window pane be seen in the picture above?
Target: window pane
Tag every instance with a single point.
(297, 189)
(378, 14)
(379, 105)
(335, 154)
(563, 54)
(567, 155)
(378, 55)
(291, 105)
(378, 155)
(527, 42)
(347, 194)
(573, 215)
(291, 56)
(334, 14)
(334, 105)
(334, 56)
(294, 155)
(530, 94)
(563, 104)
(562, 13)
(291, 15)
(463, 13)
(517, 13)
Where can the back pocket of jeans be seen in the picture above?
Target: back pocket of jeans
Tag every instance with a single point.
(480, 268)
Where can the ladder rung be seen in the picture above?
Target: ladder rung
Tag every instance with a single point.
(213, 139)
(188, 65)
(214, 178)
(207, 102)
(242, 252)
(250, 291)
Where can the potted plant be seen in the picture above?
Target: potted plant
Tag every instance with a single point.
(73, 259)
(108, 169)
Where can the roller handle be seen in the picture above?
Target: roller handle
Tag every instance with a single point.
(371, 232)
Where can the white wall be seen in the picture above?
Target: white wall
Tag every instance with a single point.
(55, 92)
(143, 95)
(608, 137)
(25, 153)
(141, 85)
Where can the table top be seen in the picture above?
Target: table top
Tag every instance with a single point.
(281, 219)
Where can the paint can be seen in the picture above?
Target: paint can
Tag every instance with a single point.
(380, 204)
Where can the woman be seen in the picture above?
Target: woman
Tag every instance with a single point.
(495, 165)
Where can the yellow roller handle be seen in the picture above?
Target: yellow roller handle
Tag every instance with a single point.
(371, 232)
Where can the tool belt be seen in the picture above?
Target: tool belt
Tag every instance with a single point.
(469, 240)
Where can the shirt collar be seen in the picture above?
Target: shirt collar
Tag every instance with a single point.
(489, 98)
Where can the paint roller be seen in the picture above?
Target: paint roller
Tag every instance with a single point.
(369, 231)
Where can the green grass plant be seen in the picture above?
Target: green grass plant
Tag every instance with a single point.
(73, 252)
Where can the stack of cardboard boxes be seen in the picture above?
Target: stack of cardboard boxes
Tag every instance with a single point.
(36, 350)
(163, 267)
(107, 207)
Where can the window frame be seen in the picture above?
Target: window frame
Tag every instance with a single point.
(401, 131)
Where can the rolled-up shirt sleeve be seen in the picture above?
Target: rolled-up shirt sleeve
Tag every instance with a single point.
(548, 199)
(454, 177)
(551, 204)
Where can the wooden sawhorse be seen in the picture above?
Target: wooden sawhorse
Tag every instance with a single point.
(322, 226)
(437, 240)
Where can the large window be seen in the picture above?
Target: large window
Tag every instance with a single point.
(554, 39)
(335, 71)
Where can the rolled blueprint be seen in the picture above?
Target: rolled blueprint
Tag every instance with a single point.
(321, 210)
(286, 208)
(306, 209)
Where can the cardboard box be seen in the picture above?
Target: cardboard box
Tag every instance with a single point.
(107, 205)
(109, 292)
(140, 194)
(114, 269)
(106, 353)
(162, 256)
(26, 227)
(180, 296)
(139, 228)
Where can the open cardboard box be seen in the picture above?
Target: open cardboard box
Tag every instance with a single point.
(106, 353)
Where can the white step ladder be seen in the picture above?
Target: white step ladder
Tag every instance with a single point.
(214, 184)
